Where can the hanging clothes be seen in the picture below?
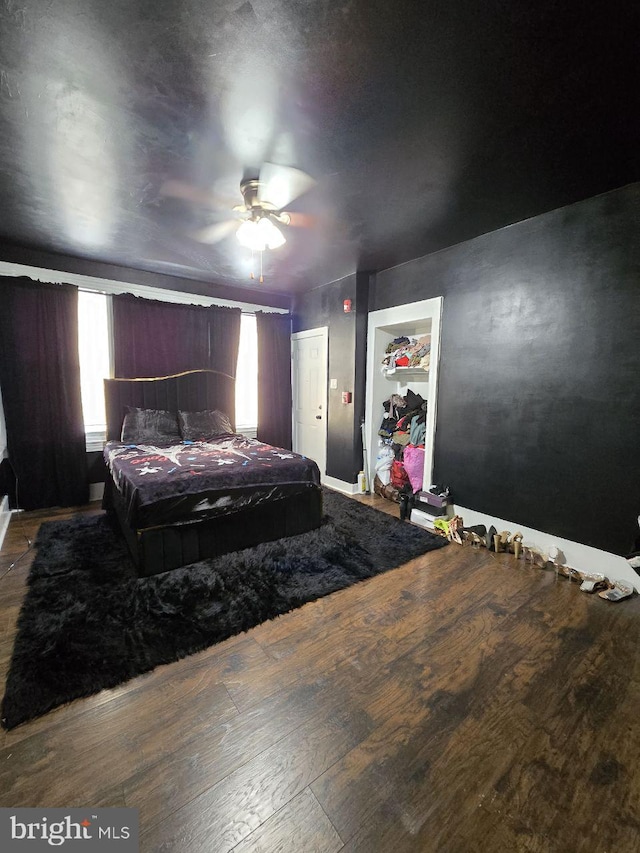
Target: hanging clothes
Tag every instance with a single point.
(400, 462)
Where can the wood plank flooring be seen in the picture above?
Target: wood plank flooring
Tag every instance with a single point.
(463, 702)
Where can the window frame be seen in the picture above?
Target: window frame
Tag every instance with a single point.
(95, 439)
(96, 435)
(250, 430)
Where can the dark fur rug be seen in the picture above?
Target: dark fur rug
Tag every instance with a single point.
(88, 623)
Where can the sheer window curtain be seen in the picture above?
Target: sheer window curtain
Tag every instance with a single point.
(274, 379)
(40, 381)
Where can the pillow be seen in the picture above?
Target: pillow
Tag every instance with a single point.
(201, 426)
(150, 426)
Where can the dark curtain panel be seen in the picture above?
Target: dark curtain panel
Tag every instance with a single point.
(161, 338)
(224, 327)
(274, 379)
(158, 338)
(40, 381)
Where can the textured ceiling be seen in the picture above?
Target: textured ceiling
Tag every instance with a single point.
(424, 124)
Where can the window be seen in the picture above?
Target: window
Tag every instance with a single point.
(94, 351)
(247, 377)
(94, 345)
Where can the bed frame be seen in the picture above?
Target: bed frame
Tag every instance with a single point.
(160, 549)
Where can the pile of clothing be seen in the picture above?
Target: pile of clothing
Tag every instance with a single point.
(408, 352)
(400, 459)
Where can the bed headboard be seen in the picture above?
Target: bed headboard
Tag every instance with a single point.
(193, 391)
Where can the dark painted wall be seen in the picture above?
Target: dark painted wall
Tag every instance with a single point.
(3, 446)
(539, 389)
(323, 306)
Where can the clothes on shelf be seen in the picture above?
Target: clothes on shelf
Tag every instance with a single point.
(407, 352)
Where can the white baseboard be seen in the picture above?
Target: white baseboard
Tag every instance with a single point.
(5, 517)
(340, 485)
(574, 554)
(96, 491)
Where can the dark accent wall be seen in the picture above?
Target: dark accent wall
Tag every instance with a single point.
(3, 447)
(539, 388)
(7, 483)
(323, 306)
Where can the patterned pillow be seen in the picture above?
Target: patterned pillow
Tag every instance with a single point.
(201, 426)
(150, 426)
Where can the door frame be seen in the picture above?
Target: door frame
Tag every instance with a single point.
(322, 331)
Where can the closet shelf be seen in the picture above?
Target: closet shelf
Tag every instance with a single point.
(398, 372)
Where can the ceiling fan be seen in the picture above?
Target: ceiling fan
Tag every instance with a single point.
(262, 211)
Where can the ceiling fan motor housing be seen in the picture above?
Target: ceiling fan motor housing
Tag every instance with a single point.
(252, 202)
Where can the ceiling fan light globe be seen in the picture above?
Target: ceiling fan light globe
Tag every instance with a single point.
(249, 236)
(270, 233)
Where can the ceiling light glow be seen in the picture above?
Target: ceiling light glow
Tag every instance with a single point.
(260, 234)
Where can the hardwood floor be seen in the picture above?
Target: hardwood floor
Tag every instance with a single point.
(463, 702)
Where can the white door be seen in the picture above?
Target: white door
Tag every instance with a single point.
(309, 353)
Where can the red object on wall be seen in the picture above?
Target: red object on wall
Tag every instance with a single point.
(346, 396)
(347, 306)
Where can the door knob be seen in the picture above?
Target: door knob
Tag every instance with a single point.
(318, 417)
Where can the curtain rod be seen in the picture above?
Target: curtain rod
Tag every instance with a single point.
(109, 286)
(246, 312)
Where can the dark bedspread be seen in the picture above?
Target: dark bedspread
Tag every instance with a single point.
(164, 485)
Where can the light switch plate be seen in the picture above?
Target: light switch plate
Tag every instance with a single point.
(333, 385)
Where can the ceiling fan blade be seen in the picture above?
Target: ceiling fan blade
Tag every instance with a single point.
(216, 232)
(182, 190)
(297, 220)
(280, 185)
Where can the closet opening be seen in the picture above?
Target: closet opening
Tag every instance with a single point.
(420, 323)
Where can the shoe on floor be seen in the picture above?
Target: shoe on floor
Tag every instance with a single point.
(618, 591)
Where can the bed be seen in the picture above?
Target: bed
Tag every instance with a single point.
(197, 494)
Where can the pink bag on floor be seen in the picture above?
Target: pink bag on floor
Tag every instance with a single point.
(414, 465)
